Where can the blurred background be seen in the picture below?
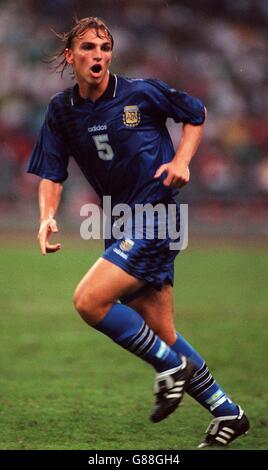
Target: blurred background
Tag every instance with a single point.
(217, 53)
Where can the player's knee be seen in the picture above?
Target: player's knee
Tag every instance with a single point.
(89, 306)
(80, 302)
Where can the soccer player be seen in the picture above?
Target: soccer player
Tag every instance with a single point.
(115, 129)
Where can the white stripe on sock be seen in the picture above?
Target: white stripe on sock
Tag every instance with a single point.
(145, 343)
(139, 338)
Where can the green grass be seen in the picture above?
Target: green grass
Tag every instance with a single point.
(64, 386)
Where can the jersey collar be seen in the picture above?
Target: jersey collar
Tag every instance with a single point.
(109, 93)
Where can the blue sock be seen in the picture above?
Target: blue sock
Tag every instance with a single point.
(127, 328)
(203, 387)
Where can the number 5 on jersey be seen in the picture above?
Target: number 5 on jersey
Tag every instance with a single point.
(105, 151)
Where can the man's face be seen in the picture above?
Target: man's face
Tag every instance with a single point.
(90, 57)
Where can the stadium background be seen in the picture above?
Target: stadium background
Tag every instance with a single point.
(51, 382)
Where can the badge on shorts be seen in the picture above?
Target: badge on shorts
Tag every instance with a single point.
(126, 244)
(131, 116)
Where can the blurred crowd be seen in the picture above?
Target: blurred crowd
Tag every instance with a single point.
(215, 52)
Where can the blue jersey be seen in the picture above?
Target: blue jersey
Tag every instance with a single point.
(118, 141)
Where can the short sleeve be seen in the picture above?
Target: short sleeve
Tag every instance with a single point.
(178, 105)
(49, 158)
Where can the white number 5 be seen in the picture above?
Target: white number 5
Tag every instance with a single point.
(104, 149)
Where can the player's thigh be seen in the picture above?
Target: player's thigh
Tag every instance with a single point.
(103, 284)
(156, 307)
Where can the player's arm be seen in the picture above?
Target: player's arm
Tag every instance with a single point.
(49, 196)
(177, 171)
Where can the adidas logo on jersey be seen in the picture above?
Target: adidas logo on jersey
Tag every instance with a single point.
(102, 127)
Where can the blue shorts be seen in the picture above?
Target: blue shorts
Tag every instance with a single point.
(144, 250)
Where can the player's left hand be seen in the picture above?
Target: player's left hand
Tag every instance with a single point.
(177, 174)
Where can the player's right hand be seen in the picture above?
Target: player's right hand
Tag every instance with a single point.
(47, 227)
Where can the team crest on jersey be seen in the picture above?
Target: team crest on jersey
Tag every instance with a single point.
(131, 116)
(126, 244)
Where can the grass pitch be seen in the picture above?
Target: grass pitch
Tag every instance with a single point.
(64, 386)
